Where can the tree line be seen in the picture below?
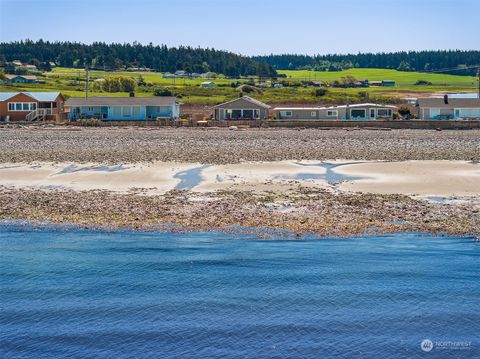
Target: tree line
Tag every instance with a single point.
(422, 61)
(115, 56)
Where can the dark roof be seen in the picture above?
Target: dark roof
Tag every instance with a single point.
(246, 98)
(452, 102)
(121, 101)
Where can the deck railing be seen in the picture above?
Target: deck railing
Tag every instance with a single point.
(39, 113)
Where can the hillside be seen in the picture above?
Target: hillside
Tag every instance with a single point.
(457, 62)
(100, 55)
(296, 88)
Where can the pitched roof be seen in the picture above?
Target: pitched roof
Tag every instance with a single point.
(452, 102)
(28, 77)
(247, 98)
(121, 101)
(39, 96)
(336, 107)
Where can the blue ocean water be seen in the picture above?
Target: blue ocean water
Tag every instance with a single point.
(86, 294)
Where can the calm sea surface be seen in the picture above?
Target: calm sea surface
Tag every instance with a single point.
(84, 294)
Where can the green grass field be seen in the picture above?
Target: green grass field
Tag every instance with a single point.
(71, 83)
(404, 80)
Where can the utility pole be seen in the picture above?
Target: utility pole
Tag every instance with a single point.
(478, 73)
(86, 82)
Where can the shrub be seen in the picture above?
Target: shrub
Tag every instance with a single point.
(320, 92)
(162, 91)
(119, 84)
(404, 111)
(89, 123)
(249, 89)
(422, 82)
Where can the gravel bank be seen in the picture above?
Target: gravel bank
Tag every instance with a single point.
(302, 210)
(222, 146)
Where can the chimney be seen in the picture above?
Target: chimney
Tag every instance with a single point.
(445, 99)
(132, 94)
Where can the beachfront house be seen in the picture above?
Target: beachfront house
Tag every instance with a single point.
(242, 108)
(31, 106)
(123, 108)
(21, 79)
(445, 108)
(362, 111)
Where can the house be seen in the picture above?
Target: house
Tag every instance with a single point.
(447, 108)
(242, 108)
(123, 108)
(208, 84)
(362, 111)
(31, 106)
(388, 83)
(30, 67)
(17, 63)
(181, 73)
(21, 79)
(361, 83)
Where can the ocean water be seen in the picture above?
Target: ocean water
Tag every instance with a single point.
(86, 294)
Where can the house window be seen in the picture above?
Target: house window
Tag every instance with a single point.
(332, 113)
(126, 111)
(116, 112)
(313, 114)
(22, 106)
(382, 112)
(136, 111)
(247, 114)
(236, 114)
(358, 113)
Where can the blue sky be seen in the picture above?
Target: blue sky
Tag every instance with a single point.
(251, 26)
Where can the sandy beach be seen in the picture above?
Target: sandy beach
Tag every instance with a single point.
(413, 178)
(325, 182)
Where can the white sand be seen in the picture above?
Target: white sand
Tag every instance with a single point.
(427, 178)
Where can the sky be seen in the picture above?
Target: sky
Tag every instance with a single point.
(251, 27)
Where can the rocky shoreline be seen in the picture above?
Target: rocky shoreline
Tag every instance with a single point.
(300, 210)
(296, 208)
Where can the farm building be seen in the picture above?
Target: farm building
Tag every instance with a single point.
(242, 108)
(208, 84)
(447, 108)
(31, 106)
(388, 83)
(123, 108)
(21, 79)
(362, 111)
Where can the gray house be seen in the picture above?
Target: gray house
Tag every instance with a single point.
(445, 108)
(123, 108)
(242, 108)
(362, 111)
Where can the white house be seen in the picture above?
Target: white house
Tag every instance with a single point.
(447, 108)
(208, 84)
